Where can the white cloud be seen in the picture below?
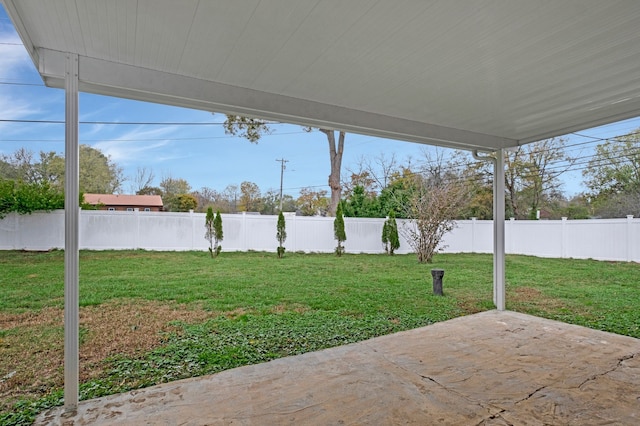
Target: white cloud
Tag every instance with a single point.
(15, 58)
(133, 146)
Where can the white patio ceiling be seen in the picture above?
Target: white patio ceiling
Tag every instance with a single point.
(482, 74)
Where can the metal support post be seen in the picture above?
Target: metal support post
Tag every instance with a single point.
(498, 226)
(498, 232)
(71, 228)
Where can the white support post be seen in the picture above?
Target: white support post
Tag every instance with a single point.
(71, 228)
(498, 232)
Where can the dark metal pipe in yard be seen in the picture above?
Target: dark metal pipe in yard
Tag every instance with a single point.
(437, 275)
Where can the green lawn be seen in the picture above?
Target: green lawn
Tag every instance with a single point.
(208, 315)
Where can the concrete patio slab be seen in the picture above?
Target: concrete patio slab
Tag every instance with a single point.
(491, 368)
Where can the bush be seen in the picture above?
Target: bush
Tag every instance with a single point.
(281, 235)
(23, 198)
(338, 230)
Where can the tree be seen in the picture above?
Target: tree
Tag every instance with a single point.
(360, 204)
(173, 186)
(270, 203)
(206, 198)
(249, 197)
(312, 203)
(185, 202)
(532, 176)
(24, 198)
(431, 211)
(209, 234)
(613, 177)
(396, 195)
(253, 128)
(281, 234)
(230, 198)
(375, 174)
(338, 231)
(336, 149)
(173, 194)
(142, 179)
(98, 174)
(390, 237)
(214, 232)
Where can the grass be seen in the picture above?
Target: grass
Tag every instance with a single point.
(152, 317)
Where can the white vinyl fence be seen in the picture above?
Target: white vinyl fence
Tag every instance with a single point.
(604, 239)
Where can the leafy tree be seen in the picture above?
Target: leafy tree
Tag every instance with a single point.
(209, 234)
(185, 202)
(613, 177)
(361, 204)
(253, 128)
(173, 194)
(338, 231)
(270, 203)
(312, 203)
(98, 174)
(390, 237)
(249, 197)
(397, 194)
(173, 186)
(281, 234)
(23, 198)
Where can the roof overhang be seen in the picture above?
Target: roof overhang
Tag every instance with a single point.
(475, 75)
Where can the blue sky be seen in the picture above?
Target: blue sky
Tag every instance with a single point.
(203, 155)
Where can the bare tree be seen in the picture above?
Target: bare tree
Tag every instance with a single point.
(437, 198)
(431, 213)
(532, 175)
(143, 178)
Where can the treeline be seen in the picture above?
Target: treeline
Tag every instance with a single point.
(374, 187)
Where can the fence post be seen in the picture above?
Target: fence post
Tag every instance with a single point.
(509, 235)
(473, 235)
(629, 237)
(244, 231)
(193, 228)
(136, 242)
(563, 238)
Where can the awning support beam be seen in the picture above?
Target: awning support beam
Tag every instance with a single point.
(71, 231)
(499, 288)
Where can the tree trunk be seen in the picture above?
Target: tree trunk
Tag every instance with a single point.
(335, 156)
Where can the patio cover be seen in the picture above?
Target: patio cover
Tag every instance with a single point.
(481, 75)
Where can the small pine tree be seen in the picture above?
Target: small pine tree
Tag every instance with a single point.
(209, 235)
(390, 237)
(338, 230)
(281, 235)
(217, 233)
(385, 236)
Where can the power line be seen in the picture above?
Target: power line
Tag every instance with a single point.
(21, 84)
(143, 139)
(125, 123)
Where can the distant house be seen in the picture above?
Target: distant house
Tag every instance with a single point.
(120, 202)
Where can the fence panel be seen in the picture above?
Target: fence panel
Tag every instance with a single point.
(610, 239)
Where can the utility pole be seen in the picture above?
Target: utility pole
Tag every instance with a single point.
(282, 167)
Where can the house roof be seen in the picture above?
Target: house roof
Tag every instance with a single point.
(124, 200)
(482, 74)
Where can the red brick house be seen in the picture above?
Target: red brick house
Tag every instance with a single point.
(121, 202)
